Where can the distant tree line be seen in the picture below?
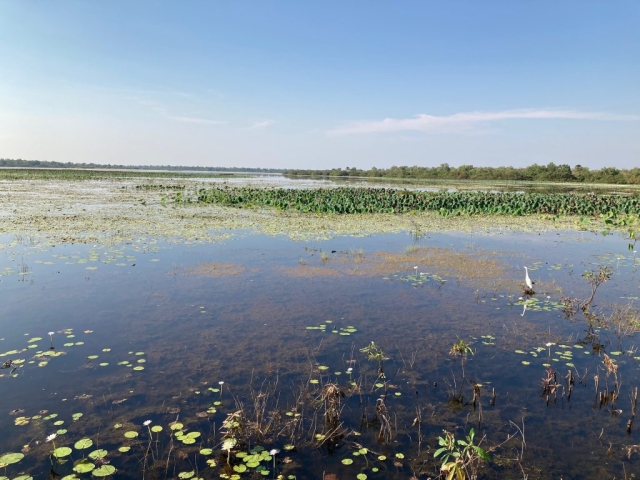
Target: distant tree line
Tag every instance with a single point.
(533, 173)
(19, 163)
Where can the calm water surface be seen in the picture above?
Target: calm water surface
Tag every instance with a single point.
(185, 335)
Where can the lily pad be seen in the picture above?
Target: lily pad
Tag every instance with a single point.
(124, 449)
(82, 444)
(62, 452)
(84, 466)
(104, 471)
(131, 434)
(101, 453)
(347, 461)
(9, 458)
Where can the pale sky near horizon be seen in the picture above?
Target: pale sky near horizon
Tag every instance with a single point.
(289, 84)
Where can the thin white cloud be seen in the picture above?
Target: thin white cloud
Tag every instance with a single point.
(262, 124)
(468, 121)
(199, 120)
(163, 111)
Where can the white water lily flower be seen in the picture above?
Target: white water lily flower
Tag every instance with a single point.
(349, 369)
(221, 382)
(228, 444)
(273, 452)
(549, 344)
(51, 334)
(146, 422)
(51, 437)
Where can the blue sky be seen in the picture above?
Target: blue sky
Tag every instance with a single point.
(321, 84)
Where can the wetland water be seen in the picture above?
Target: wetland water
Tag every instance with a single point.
(231, 350)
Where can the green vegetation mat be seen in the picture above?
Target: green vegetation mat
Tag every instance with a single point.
(380, 200)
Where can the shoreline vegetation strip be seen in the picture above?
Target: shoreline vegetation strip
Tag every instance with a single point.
(125, 210)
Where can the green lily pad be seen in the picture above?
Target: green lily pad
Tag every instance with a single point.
(347, 461)
(10, 458)
(131, 434)
(62, 452)
(84, 466)
(82, 444)
(186, 474)
(101, 453)
(156, 428)
(104, 471)
(124, 449)
(206, 451)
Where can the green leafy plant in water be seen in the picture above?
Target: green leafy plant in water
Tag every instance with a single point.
(630, 223)
(375, 353)
(460, 458)
(461, 348)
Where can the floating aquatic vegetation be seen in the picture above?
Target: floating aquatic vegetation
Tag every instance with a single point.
(348, 200)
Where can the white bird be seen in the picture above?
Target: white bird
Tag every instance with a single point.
(527, 280)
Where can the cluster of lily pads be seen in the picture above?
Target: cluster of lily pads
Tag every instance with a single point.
(327, 326)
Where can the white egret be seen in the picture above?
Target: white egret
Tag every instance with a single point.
(527, 280)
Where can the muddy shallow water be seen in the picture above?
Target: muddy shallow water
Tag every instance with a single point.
(266, 333)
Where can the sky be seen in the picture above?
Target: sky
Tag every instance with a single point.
(323, 84)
